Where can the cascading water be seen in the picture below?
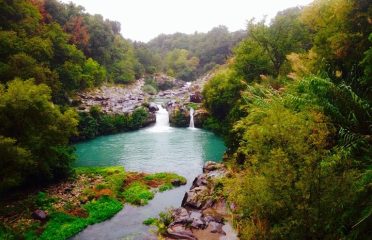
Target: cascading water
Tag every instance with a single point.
(162, 121)
(191, 118)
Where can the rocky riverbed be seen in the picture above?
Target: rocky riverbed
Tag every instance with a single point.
(113, 99)
(116, 99)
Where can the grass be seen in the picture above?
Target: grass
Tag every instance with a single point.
(138, 193)
(62, 226)
(164, 180)
(162, 222)
(113, 176)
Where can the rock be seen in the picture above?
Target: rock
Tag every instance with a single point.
(197, 220)
(179, 231)
(39, 215)
(200, 180)
(216, 227)
(177, 182)
(180, 216)
(196, 97)
(198, 223)
(212, 166)
(195, 214)
(200, 116)
(195, 198)
(210, 218)
(153, 107)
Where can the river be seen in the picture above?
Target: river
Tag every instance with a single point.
(158, 148)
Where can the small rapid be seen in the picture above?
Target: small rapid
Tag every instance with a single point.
(162, 121)
(191, 118)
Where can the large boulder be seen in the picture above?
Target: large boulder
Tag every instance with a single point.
(200, 180)
(212, 166)
(39, 215)
(180, 215)
(200, 116)
(179, 231)
(197, 220)
(196, 197)
(153, 107)
(196, 97)
(216, 227)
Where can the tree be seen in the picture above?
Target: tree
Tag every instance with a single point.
(35, 128)
(265, 49)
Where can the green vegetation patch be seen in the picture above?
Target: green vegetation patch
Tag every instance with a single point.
(138, 193)
(165, 181)
(62, 226)
(113, 177)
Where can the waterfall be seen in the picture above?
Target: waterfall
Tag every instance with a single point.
(191, 118)
(162, 121)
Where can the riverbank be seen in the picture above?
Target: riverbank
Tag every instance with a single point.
(92, 195)
(204, 212)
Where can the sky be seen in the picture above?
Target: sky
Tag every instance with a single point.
(143, 20)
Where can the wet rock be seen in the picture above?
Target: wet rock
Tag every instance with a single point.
(210, 218)
(198, 223)
(212, 166)
(153, 107)
(177, 182)
(39, 215)
(180, 215)
(195, 198)
(197, 220)
(200, 180)
(216, 227)
(179, 231)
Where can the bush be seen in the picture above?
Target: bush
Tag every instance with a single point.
(149, 89)
(96, 123)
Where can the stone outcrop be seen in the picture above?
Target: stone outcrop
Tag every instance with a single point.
(39, 215)
(200, 215)
(112, 99)
(196, 97)
(153, 107)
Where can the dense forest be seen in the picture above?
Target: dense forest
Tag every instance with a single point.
(294, 104)
(291, 97)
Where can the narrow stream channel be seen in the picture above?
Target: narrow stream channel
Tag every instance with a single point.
(159, 148)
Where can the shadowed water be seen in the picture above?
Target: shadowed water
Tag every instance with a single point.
(159, 148)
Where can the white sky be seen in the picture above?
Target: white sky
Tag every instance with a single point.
(143, 20)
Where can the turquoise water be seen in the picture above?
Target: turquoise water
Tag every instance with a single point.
(176, 150)
(158, 148)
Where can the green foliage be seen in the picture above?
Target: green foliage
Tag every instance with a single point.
(162, 222)
(150, 221)
(211, 49)
(222, 93)
(180, 64)
(36, 134)
(138, 193)
(165, 176)
(63, 226)
(96, 123)
(165, 187)
(300, 149)
(341, 29)
(43, 201)
(149, 89)
(113, 176)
